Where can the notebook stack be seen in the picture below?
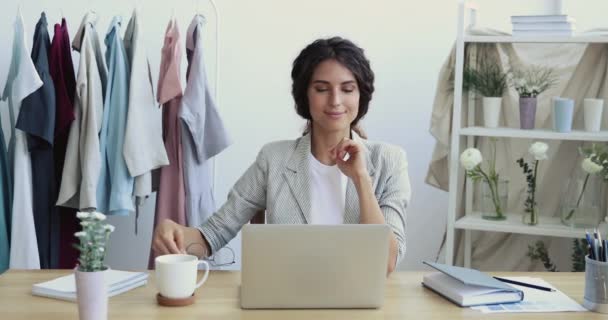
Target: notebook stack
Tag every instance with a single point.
(543, 25)
(64, 288)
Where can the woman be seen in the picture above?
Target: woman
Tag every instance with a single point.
(330, 175)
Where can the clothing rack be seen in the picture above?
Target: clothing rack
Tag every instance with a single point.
(216, 79)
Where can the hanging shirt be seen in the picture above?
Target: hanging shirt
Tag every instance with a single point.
(82, 160)
(115, 190)
(22, 81)
(37, 120)
(171, 194)
(203, 132)
(327, 193)
(62, 72)
(5, 204)
(143, 148)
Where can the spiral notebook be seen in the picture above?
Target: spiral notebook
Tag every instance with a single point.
(64, 288)
(469, 287)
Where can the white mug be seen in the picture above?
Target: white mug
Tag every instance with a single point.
(176, 275)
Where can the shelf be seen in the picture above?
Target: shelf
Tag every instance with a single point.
(537, 39)
(576, 135)
(548, 226)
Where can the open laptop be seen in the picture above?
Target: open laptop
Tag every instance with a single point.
(314, 266)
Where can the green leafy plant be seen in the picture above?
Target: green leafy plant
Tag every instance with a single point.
(539, 252)
(579, 251)
(92, 241)
(532, 81)
(488, 79)
(539, 151)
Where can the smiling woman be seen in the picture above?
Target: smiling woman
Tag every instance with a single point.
(330, 175)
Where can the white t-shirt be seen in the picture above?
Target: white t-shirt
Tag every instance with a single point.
(23, 79)
(327, 193)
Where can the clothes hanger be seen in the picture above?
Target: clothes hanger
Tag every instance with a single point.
(198, 8)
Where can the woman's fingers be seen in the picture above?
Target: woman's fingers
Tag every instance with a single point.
(168, 238)
(169, 242)
(159, 247)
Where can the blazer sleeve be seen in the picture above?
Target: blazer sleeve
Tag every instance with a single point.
(247, 197)
(395, 197)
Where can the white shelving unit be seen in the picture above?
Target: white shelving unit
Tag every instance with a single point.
(464, 131)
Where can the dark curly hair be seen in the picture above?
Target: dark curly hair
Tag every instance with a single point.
(346, 53)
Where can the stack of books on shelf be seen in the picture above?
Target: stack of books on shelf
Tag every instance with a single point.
(543, 25)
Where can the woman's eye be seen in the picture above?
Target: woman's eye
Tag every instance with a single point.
(348, 90)
(320, 89)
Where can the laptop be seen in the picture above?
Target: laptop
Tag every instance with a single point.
(314, 266)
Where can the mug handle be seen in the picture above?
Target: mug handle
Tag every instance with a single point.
(200, 283)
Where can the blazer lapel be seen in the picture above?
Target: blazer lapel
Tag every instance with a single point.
(297, 176)
(351, 205)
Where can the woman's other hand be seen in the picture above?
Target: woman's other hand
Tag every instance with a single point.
(354, 166)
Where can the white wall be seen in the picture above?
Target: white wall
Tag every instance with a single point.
(407, 41)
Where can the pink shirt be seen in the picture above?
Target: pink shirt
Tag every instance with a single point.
(170, 201)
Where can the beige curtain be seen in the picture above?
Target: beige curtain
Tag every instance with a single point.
(582, 74)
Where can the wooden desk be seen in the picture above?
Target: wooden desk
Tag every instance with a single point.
(219, 299)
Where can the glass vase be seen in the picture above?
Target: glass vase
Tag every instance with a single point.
(494, 197)
(530, 217)
(581, 202)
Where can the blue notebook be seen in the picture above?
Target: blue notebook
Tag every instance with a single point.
(469, 287)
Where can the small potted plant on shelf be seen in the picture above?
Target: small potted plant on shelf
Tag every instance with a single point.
(539, 151)
(581, 204)
(494, 193)
(529, 83)
(490, 81)
(91, 290)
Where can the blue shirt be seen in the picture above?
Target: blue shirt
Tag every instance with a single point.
(115, 187)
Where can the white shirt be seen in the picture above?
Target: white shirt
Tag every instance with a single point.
(144, 148)
(327, 193)
(22, 81)
(82, 158)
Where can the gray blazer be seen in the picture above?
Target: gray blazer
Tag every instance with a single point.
(278, 182)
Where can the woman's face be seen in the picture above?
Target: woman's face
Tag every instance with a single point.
(333, 97)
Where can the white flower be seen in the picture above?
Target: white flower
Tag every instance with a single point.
(470, 158)
(101, 249)
(83, 215)
(80, 234)
(534, 88)
(590, 166)
(85, 223)
(98, 216)
(539, 150)
(109, 227)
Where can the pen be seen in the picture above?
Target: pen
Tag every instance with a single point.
(600, 245)
(591, 249)
(596, 251)
(529, 285)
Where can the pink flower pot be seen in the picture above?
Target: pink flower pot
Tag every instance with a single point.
(527, 112)
(92, 295)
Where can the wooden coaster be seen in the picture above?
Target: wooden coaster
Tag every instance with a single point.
(168, 302)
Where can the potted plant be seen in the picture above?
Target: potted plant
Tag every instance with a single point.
(539, 151)
(529, 83)
(494, 193)
(91, 290)
(490, 82)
